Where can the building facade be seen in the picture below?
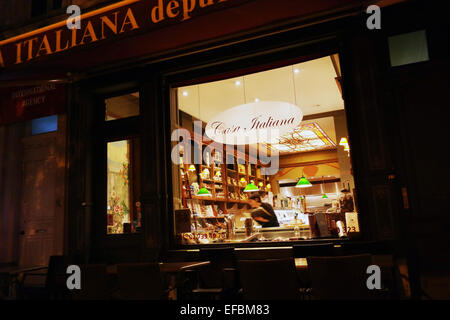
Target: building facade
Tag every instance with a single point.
(118, 83)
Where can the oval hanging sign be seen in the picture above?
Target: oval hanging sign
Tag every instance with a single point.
(257, 122)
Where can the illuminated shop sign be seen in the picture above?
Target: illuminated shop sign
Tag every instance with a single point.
(99, 25)
(258, 122)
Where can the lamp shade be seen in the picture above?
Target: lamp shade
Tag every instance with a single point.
(203, 192)
(303, 183)
(191, 168)
(343, 142)
(251, 187)
(324, 196)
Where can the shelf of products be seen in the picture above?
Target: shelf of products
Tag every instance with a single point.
(225, 182)
(222, 186)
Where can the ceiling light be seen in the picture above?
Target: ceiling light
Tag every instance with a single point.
(251, 188)
(203, 192)
(185, 93)
(281, 147)
(308, 134)
(343, 142)
(317, 142)
(238, 83)
(296, 71)
(256, 100)
(303, 183)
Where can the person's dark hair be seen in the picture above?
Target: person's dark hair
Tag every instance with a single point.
(255, 197)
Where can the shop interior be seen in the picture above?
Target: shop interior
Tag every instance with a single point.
(313, 192)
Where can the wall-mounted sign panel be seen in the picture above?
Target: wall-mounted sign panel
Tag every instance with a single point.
(26, 103)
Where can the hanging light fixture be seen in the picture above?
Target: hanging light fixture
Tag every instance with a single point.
(324, 194)
(343, 142)
(303, 183)
(192, 168)
(203, 192)
(251, 187)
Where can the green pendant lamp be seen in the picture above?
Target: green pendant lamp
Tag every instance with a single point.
(203, 192)
(303, 183)
(324, 194)
(251, 187)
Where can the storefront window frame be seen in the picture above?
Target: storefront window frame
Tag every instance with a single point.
(240, 64)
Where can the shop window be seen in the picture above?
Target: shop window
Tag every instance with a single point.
(124, 106)
(123, 206)
(44, 125)
(301, 172)
(408, 48)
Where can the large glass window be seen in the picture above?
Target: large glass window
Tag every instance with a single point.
(263, 157)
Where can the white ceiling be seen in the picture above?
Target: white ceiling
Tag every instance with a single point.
(310, 85)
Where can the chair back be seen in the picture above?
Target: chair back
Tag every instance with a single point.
(140, 281)
(271, 279)
(337, 278)
(94, 283)
(313, 250)
(220, 258)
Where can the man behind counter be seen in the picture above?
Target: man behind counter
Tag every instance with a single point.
(263, 212)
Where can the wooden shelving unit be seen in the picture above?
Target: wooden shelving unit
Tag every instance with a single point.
(225, 181)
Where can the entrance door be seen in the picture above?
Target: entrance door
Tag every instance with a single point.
(41, 211)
